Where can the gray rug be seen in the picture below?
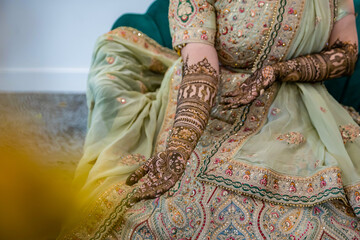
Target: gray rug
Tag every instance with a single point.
(53, 125)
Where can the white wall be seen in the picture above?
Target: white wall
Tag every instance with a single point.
(46, 45)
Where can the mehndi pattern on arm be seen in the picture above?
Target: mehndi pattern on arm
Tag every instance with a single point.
(335, 62)
(195, 99)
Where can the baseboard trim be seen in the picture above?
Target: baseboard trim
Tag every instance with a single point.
(43, 79)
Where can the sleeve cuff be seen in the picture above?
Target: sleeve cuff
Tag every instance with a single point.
(198, 35)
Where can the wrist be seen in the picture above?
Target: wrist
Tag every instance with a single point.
(277, 69)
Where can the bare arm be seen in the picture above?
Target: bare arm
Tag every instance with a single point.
(345, 28)
(196, 96)
(196, 52)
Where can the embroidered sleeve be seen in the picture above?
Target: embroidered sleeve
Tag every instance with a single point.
(192, 21)
(341, 9)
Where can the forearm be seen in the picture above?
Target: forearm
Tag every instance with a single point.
(196, 96)
(336, 62)
(195, 52)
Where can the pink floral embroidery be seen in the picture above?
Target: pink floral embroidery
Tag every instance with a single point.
(119, 190)
(275, 111)
(110, 60)
(225, 150)
(254, 119)
(229, 171)
(323, 109)
(292, 187)
(349, 132)
(281, 43)
(247, 175)
(186, 35)
(317, 163)
(310, 188)
(339, 180)
(204, 36)
(264, 180)
(249, 25)
(111, 77)
(121, 100)
(276, 184)
(292, 138)
(322, 182)
(357, 196)
(259, 103)
(287, 28)
(217, 160)
(292, 11)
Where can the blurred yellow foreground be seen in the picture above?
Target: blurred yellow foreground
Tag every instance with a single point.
(34, 198)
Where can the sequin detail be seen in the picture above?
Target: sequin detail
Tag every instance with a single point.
(349, 132)
(292, 138)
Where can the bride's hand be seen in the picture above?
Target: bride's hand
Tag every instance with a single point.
(163, 170)
(250, 89)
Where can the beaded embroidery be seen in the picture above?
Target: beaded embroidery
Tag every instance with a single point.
(292, 138)
(192, 21)
(349, 132)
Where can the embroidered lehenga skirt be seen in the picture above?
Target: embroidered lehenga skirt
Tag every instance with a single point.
(286, 166)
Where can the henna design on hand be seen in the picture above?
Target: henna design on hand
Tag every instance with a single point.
(250, 89)
(337, 61)
(195, 98)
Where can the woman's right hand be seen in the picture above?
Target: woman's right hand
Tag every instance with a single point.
(163, 170)
(251, 88)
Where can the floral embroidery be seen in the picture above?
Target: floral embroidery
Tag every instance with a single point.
(259, 103)
(322, 182)
(110, 60)
(353, 194)
(276, 184)
(323, 109)
(217, 160)
(111, 77)
(132, 159)
(353, 113)
(349, 132)
(292, 138)
(264, 181)
(246, 175)
(121, 100)
(185, 10)
(204, 36)
(275, 111)
(229, 171)
(339, 180)
(317, 163)
(357, 196)
(287, 27)
(310, 188)
(292, 11)
(191, 21)
(292, 187)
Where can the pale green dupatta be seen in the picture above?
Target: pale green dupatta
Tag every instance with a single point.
(128, 91)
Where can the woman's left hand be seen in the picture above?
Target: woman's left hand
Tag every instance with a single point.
(250, 89)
